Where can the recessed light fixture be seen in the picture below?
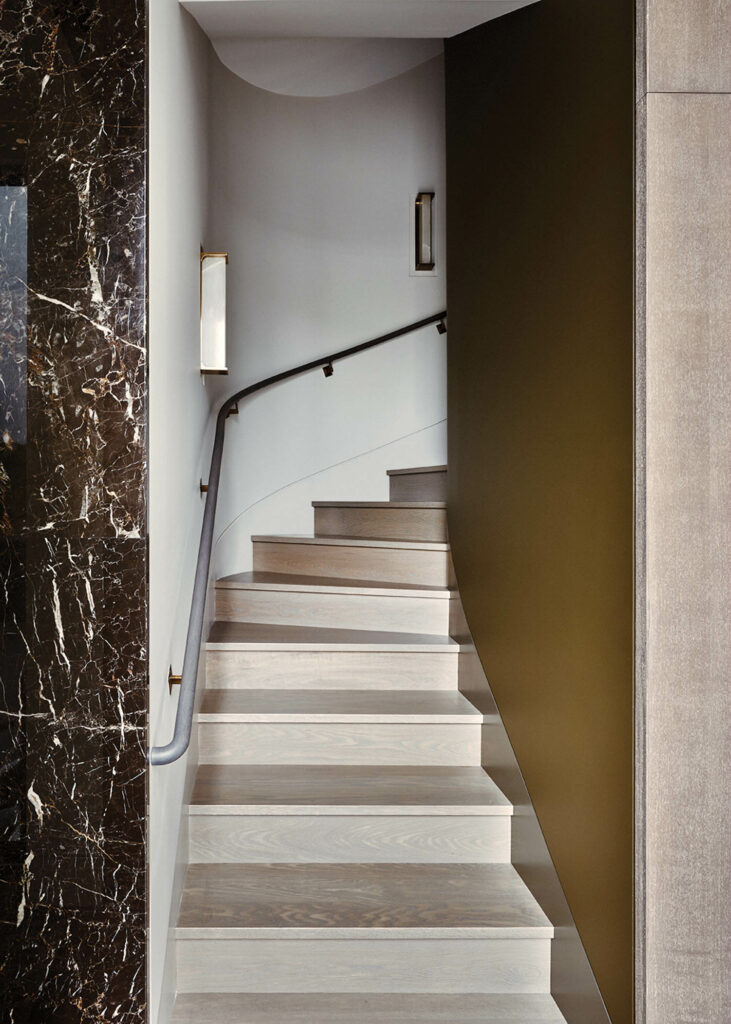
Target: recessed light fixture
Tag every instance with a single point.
(213, 312)
(424, 223)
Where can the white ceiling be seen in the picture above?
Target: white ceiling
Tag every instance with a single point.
(322, 67)
(411, 19)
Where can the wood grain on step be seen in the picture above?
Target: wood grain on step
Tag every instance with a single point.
(378, 1008)
(330, 584)
(347, 896)
(349, 786)
(359, 960)
(339, 838)
(391, 561)
(331, 669)
(416, 470)
(348, 705)
(368, 544)
(427, 484)
(339, 742)
(379, 504)
(268, 636)
(407, 612)
(387, 522)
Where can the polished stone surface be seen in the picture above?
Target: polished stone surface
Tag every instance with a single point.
(73, 558)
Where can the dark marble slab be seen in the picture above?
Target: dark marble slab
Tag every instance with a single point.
(72, 768)
(73, 546)
(81, 61)
(86, 342)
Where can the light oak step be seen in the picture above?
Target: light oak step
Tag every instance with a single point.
(254, 655)
(389, 1008)
(399, 727)
(428, 900)
(399, 706)
(419, 483)
(394, 520)
(361, 927)
(423, 562)
(265, 636)
(343, 813)
(288, 599)
(346, 789)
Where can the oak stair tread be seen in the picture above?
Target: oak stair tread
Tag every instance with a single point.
(350, 542)
(416, 469)
(268, 636)
(380, 504)
(385, 900)
(378, 1008)
(363, 706)
(346, 789)
(292, 582)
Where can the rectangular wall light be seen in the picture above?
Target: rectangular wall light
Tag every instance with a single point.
(424, 223)
(213, 312)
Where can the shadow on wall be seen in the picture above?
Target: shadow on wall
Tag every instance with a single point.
(288, 510)
(573, 985)
(540, 367)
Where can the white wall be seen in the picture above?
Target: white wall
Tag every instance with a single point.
(312, 198)
(179, 413)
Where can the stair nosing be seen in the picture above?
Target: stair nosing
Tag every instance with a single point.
(306, 639)
(355, 588)
(222, 932)
(409, 471)
(341, 718)
(354, 542)
(352, 900)
(406, 505)
(353, 810)
(327, 1008)
(305, 707)
(328, 791)
(345, 648)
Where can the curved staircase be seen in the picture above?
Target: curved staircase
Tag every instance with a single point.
(349, 859)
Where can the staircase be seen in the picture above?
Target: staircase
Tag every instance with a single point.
(349, 859)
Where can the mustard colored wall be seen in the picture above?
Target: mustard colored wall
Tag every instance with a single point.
(540, 254)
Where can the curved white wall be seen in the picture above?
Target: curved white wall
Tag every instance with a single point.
(312, 199)
(324, 66)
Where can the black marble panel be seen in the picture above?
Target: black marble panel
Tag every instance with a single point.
(73, 60)
(86, 374)
(73, 477)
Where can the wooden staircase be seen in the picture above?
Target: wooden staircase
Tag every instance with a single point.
(349, 859)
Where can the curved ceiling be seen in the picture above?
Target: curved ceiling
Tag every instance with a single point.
(404, 19)
(322, 67)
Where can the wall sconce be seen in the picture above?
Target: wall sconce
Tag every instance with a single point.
(213, 312)
(424, 223)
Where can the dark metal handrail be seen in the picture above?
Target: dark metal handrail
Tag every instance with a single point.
(186, 702)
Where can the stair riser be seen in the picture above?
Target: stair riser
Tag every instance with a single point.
(324, 670)
(390, 565)
(355, 839)
(418, 487)
(339, 611)
(381, 1008)
(364, 965)
(338, 743)
(392, 524)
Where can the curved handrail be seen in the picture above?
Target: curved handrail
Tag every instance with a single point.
(186, 702)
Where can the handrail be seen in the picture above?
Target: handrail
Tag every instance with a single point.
(186, 701)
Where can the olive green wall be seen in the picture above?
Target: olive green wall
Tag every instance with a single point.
(540, 254)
